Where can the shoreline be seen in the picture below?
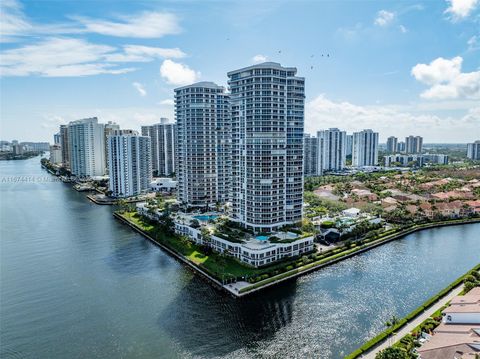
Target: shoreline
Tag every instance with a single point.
(408, 323)
(267, 283)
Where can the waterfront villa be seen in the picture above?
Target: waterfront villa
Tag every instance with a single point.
(464, 309)
(458, 336)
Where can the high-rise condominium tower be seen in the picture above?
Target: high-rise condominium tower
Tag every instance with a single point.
(310, 155)
(130, 164)
(86, 143)
(365, 148)
(349, 145)
(332, 150)
(392, 144)
(267, 104)
(163, 137)
(203, 144)
(473, 150)
(110, 127)
(413, 144)
(64, 146)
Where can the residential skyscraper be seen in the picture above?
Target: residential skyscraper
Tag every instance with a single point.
(401, 147)
(365, 148)
(203, 144)
(332, 150)
(267, 104)
(130, 163)
(56, 138)
(392, 144)
(310, 155)
(413, 144)
(56, 154)
(349, 145)
(473, 150)
(86, 141)
(64, 146)
(163, 138)
(109, 128)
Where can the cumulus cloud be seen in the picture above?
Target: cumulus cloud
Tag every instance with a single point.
(384, 18)
(259, 58)
(446, 80)
(140, 88)
(321, 113)
(76, 57)
(178, 74)
(143, 25)
(460, 9)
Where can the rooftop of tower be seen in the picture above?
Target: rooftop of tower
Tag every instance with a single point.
(263, 65)
(207, 84)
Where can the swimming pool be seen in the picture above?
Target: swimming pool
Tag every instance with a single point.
(262, 238)
(206, 218)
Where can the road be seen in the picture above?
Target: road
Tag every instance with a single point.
(410, 326)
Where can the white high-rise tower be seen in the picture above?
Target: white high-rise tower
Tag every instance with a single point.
(203, 144)
(267, 104)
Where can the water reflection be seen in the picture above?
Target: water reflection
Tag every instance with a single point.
(131, 256)
(210, 323)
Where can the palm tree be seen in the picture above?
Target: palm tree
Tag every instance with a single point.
(391, 323)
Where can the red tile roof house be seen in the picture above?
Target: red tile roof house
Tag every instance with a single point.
(450, 209)
(459, 334)
(474, 205)
(427, 209)
(454, 194)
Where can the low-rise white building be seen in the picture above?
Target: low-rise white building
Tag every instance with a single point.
(55, 154)
(351, 212)
(163, 184)
(257, 251)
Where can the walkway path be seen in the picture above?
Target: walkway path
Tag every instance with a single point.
(410, 326)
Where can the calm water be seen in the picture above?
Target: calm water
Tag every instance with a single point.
(75, 283)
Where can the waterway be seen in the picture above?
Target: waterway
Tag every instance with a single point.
(76, 283)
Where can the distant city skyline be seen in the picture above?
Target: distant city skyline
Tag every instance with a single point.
(399, 68)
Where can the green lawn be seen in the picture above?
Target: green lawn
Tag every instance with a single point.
(218, 266)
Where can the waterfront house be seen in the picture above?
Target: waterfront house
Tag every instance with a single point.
(464, 309)
(458, 336)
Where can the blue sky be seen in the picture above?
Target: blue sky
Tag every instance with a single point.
(399, 67)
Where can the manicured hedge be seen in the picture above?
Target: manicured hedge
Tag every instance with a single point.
(340, 252)
(412, 315)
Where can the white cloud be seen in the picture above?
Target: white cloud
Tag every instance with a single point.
(14, 23)
(473, 43)
(384, 18)
(144, 25)
(403, 29)
(56, 57)
(140, 88)
(12, 20)
(321, 113)
(460, 9)
(138, 53)
(259, 58)
(148, 24)
(76, 57)
(167, 102)
(178, 74)
(446, 79)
